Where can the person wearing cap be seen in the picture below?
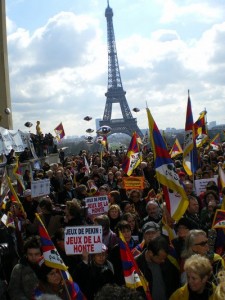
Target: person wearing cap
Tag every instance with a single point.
(161, 274)
(23, 278)
(182, 228)
(150, 231)
(94, 272)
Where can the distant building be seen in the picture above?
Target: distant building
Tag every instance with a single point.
(97, 121)
(211, 124)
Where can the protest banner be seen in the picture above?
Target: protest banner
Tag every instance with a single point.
(132, 182)
(97, 205)
(40, 188)
(79, 239)
(200, 184)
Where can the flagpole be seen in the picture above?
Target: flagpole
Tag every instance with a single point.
(65, 285)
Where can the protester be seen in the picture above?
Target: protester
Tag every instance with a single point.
(198, 269)
(114, 214)
(196, 242)
(112, 292)
(51, 281)
(109, 237)
(23, 278)
(114, 255)
(154, 213)
(94, 273)
(156, 267)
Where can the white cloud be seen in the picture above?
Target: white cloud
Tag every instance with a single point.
(59, 71)
(200, 11)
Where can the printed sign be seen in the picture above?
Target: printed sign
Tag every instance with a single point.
(40, 188)
(97, 205)
(79, 239)
(132, 182)
(200, 184)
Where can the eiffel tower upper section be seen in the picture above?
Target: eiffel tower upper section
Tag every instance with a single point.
(115, 92)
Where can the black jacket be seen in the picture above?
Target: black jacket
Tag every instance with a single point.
(170, 274)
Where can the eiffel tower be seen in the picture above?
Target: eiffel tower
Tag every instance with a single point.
(115, 92)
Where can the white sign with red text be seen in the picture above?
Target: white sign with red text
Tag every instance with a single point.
(97, 205)
(79, 239)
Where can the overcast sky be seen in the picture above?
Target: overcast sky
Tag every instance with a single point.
(58, 60)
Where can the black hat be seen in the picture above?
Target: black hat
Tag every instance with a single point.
(150, 226)
(184, 222)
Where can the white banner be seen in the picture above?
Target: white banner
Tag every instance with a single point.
(200, 184)
(13, 139)
(40, 188)
(6, 140)
(79, 239)
(97, 205)
(17, 145)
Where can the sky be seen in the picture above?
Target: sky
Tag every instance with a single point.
(58, 60)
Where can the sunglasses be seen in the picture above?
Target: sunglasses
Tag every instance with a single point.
(202, 244)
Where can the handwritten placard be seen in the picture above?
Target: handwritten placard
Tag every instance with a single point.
(40, 188)
(97, 205)
(132, 182)
(200, 184)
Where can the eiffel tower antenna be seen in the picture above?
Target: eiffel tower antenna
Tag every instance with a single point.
(115, 93)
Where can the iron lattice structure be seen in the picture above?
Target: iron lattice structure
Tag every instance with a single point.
(115, 92)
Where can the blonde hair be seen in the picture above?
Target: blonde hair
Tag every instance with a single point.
(220, 289)
(199, 265)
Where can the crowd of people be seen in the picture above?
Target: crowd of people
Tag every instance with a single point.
(189, 266)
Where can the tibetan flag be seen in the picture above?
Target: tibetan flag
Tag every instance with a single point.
(60, 133)
(50, 253)
(219, 219)
(176, 149)
(14, 194)
(10, 220)
(17, 172)
(166, 173)
(190, 155)
(200, 124)
(133, 158)
(132, 275)
(214, 142)
(73, 287)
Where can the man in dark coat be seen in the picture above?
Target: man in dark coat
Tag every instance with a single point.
(161, 274)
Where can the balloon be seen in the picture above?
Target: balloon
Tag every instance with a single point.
(104, 130)
(7, 111)
(88, 118)
(89, 130)
(28, 124)
(136, 109)
(89, 138)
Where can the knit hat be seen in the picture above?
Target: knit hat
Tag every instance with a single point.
(150, 226)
